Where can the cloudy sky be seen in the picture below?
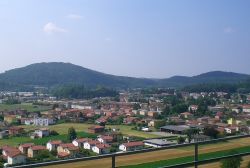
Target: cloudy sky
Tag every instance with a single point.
(140, 38)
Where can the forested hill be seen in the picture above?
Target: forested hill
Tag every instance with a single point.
(57, 73)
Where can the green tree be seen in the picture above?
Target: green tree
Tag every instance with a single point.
(179, 108)
(44, 154)
(180, 140)
(210, 131)
(159, 123)
(231, 162)
(136, 106)
(191, 132)
(71, 134)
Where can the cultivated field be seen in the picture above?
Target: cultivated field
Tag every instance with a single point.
(25, 106)
(160, 155)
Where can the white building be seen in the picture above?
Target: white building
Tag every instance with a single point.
(43, 121)
(80, 142)
(29, 121)
(101, 148)
(42, 133)
(81, 107)
(131, 146)
(90, 144)
(52, 145)
(157, 143)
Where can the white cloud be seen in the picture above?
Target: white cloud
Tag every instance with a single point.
(229, 30)
(74, 16)
(53, 28)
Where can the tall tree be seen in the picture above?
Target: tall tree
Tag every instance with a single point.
(71, 134)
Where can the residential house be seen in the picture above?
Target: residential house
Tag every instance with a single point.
(96, 129)
(33, 151)
(67, 150)
(43, 121)
(89, 144)
(15, 130)
(143, 112)
(101, 148)
(6, 150)
(246, 108)
(153, 114)
(24, 147)
(52, 145)
(231, 130)
(105, 139)
(10, 118)
(232, 121)
(29, 121)
(131, 146)
(80, 142)
(16, 157)
(186, 115)
(43, 132)
(193, 108)
(130, 120)
(102, 120)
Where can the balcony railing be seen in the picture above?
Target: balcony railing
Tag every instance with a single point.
(113, 156)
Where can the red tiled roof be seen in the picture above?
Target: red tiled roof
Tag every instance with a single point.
(96, 127)
(69, 146)
(102, 146)
(16, 128)
(14, 153)
(109, 138)
(38, 147)
(81, 140)
(55, 142)
(186, 113)
(132, 144)
(26, 145)
(93, 142)
(63, 154)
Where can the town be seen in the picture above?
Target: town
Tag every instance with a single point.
(38, 127)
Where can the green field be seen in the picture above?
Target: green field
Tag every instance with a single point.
(25, 106)
(62, 129)
(15, 141)
(124, 129)
(186, 159)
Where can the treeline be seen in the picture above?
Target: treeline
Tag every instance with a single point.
(75, 91)
(243, 87)
(5, 86)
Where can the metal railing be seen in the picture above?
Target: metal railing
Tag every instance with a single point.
(113, 156)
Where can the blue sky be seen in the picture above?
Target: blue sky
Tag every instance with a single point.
(140, 38)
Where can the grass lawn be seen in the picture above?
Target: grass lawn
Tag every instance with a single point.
(26, 106)
(62, 129)
(126, 130)
(186, 159)
(15, 141)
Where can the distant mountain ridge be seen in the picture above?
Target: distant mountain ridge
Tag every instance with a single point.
(58, 73)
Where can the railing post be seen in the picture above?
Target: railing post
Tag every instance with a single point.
(113, 161)
(196, 155)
